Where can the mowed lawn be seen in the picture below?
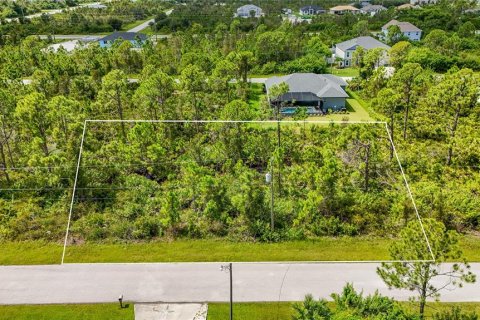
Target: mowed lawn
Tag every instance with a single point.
(215, 250)
(67, 312)
(344, 72)
(216, 311)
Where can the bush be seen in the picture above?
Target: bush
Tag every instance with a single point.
(455, 314)
(350, 305)
(147, 227)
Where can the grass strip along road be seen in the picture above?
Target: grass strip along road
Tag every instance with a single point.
(323, 249)
(217, 311)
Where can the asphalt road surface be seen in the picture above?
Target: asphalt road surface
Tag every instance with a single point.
(195, 282)
(142, 26)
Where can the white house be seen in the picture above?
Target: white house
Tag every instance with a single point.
(249, 10)
(408, 30)
(345, 50)
(420, 2)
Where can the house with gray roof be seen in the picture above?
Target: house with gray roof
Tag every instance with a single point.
(317, 92)
(409, 30)
(372, 9)
(248, 11)
(311, 10)
(344, 50)
(136, 39)
(422, 2)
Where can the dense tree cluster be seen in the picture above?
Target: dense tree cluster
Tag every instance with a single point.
(196, 180)
(77, 20)
(435, 119)
(141, 181)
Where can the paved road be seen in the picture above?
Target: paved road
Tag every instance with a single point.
(142, 26)
(262, 80)
(193, 282)
(90, 37)
(54, 11)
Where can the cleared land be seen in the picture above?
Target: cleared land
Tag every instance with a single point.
(331, 249)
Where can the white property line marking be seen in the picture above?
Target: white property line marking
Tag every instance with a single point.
(239, 121)
(257, 121)
(73, 192)
(409, 192)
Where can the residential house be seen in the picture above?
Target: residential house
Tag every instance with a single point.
(248, 11)
(406, 6)
(409, 30)
(136, 39)
(311, 10)
(95, 5)
(422, 2)
(68, 46)
(318, 92)
(372, 9)
(364, 3)
(344, 50)
(344, 10)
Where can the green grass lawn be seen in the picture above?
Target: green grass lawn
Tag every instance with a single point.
(356, 112)
(344, 72)
(364, 105)
(322, 249)
(251, 311)
(216, 311)
(255, 92)
(284, 310)
(335, 249)
(67, 312)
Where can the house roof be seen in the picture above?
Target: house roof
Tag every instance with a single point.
(405, 6)
(249, 7)
(404, 26)
(365, 42)
(373, 8)
(310, 86)
(95, 6)
(314, 7)
(129, 36)
(68, 46)
(344, 8)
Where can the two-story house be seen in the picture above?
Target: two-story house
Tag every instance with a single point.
(408, 30)
(344, 50)
(249, 11)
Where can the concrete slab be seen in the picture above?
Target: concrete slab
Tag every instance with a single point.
(171, 311)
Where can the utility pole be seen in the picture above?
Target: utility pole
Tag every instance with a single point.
(231, 291)
(229, 267)
(269, 180)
